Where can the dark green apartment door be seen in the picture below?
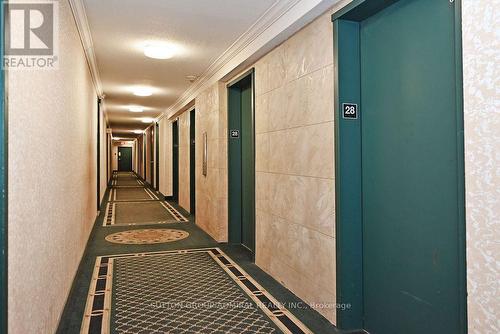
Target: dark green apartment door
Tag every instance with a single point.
(241, 162)
(410, 168)
(125, 159)
(192, 161)
(175, 161)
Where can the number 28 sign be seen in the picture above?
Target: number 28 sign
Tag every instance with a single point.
(349, 110)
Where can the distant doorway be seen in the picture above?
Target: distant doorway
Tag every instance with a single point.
(175, 161)
(192, 160)
(125, 159)
(241, 162)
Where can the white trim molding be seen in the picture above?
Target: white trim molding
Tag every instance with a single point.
(82, 24)
(278, 23)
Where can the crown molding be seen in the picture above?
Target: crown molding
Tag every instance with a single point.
(82, 24)
(278, 23)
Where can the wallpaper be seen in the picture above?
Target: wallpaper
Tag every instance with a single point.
(481, 53)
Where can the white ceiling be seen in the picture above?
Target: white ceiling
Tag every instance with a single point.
(202, 29)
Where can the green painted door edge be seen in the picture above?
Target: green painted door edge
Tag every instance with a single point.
(152, 156)
(175, 161)
(3, 186)
(348, 177)
(461, 164)
(98, 149)
(157, 140)
(192, 161)
(358, 10)
(235, 168)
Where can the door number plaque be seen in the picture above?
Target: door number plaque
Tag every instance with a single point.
(349, 110)
(235, 133)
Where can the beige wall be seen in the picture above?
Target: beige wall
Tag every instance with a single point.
(295, 165)
(184, 160)
(166, 157)
(211, 191)
(52, 182)
(481, 63)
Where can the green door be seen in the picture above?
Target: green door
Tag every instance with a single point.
(175, 161)
(411, 160)
(125, 159)
(157, 156)
(192, 161)
(241, 163)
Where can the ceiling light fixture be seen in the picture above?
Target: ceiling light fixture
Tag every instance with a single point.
(142, 91)
(147, 120)
(135, 109)
(138, 131)
(159, 50)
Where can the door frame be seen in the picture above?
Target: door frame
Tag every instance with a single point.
(175, 160)
(157, 156)
(152, 155)
(235, 226)
(348, 225)
(3, 182)
(98, 171)
(144, 156)
(192, 161)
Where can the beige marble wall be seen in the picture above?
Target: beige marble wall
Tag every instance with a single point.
(166, 157)
(184, 160)
(481, 63)
(211, 191)
(295, 240)
(52, 182)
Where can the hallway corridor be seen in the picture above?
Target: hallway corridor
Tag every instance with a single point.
(152, 270)
(262, 166)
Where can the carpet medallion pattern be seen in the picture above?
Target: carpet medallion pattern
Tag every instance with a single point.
(147, 236)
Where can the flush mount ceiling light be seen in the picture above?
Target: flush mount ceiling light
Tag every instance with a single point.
(147, 120)
(159, 50)
(135, 109)
(138, 131)
(142, 91)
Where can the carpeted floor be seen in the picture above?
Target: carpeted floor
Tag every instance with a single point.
(175, 277)
(132, 194)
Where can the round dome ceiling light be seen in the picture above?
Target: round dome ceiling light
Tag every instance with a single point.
(142, 91)
(135, 109)
(159, 50)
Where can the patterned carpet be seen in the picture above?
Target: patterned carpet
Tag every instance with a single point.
(147, 236)
(189, 291)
